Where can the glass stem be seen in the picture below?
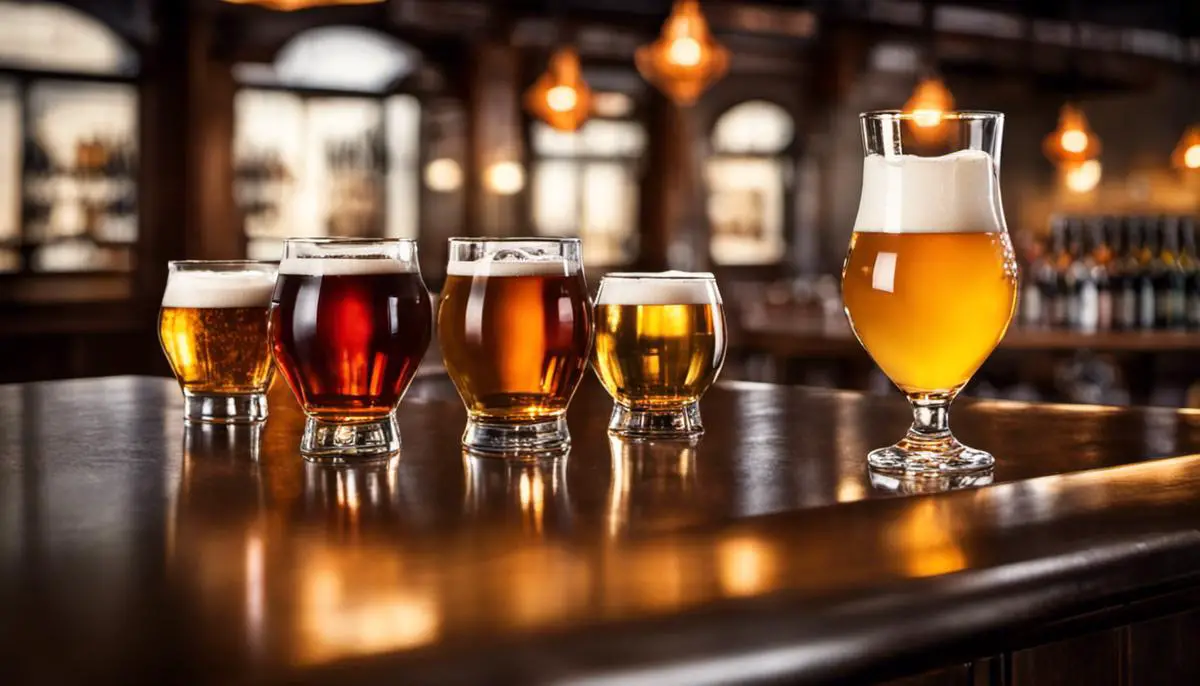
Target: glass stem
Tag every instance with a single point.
(931, 416)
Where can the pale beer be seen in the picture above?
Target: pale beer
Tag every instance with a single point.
(660, 343)
(213, 330)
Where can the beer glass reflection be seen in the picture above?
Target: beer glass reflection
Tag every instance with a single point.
(213, 330)
(532, 494)
(653, 486)
(350, 322)
(660, 343)
(515, 328)
(930, 280)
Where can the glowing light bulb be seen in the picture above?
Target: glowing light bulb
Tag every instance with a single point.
(927, 118)
(505, 178)
(1082, 177)
(561, 98)
(1073, 140)
(1191, 158)
(684, 51)
(443, 175)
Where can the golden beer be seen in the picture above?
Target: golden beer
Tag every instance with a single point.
(515, 335)
(660, 343)
(929, 307)
(213, 330)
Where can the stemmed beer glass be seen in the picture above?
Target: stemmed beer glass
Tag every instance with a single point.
(930, 281)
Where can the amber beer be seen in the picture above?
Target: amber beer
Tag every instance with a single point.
(660, 342)
(213, 330)
(515, 329)
(930, 307)
(350, 322)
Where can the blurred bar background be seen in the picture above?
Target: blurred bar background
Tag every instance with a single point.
(133, 132)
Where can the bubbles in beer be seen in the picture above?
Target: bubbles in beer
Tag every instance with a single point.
(955, 193)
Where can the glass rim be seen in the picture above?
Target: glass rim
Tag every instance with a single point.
(952, 115)
(516, 239)
(346, 240)
(659, 276)
(174, 264)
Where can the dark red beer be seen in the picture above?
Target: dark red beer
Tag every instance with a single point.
(348, 334)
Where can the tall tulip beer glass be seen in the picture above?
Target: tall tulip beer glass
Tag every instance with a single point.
(515, 327)
(350, 321)
(660, 343)
(213, 330)
(930, 281)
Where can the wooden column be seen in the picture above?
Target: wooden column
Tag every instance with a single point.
(494, 125)
(673, 221)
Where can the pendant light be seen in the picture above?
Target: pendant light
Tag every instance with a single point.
(930, 99)
(685, 60)
(1187, 153)
(1073, 142)
(560, 97)
(290, 5)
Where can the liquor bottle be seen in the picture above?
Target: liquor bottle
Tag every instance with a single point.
(1087, 303)
(1170, 282)
(1034, 294)
(1060, 257)
(1190, 264)
(1103, 257)
(1124, 275)
(1148, 268)
(1080, 293)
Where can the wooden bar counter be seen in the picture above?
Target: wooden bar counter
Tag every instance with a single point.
(136, 550)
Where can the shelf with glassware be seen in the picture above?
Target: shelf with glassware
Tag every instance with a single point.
(81, 217)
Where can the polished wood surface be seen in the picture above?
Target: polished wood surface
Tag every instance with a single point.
(134, 549)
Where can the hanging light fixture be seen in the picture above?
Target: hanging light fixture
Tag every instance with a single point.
(1187, 153)
(929, 102)
(289, 5)
(1072, 141)
(560, 96)
(685, 60)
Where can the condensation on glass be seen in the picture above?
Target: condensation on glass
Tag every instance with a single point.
(748, 179)
(320, 146)
(585, 184)
(68, 190)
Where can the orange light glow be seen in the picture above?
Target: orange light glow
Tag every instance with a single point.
(1187, 153)
(560, 97)
(685, 60)
(1072, 142)
(930, 100)
(291, 5)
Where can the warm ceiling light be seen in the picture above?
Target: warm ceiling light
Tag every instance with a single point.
(1187, 153)
(289, 5)
(685, 60)
(930, 100)
(443, 175)
(1082, 177)
(1072, 141)
(560, 96)
(504, 178)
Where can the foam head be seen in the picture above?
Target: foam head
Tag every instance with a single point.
(542, 265)
(955, 193)
(665, 288)
(343, 266)
(219, 289)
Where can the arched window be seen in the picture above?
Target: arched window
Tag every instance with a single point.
(68, 142)
(324, 146)
(586, 184)
(748, 177)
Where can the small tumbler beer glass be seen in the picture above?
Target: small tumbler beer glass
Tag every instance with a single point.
(515, 327)
(213, 329)
(930, 281)
(350, 321)
(660, 343)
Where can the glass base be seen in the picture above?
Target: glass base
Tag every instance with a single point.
(221, 408)
(902, 485)
(681, 422)
(924, 455)
(530, 440)
(350, 442)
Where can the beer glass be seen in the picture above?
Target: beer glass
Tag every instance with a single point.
(350, 321)
(515, 327)
(660, 343)
(930, 281)
(213, 330)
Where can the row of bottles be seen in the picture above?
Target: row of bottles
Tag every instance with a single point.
(1115, 273)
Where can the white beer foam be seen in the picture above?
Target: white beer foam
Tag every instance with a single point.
(216, 289)
(664, 288)
(343, 266)
(955, 193)
(555, 266)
